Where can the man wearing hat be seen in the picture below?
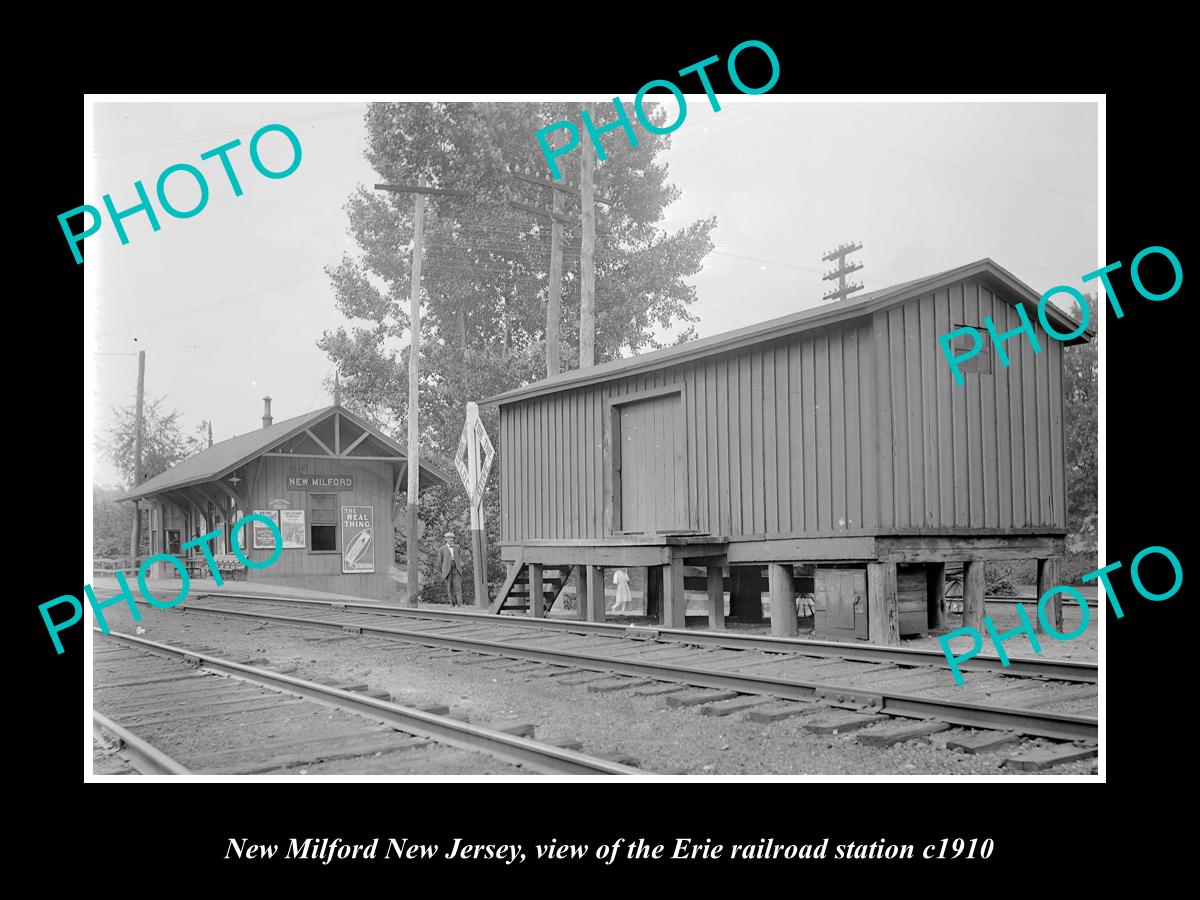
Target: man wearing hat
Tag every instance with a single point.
(451, 571)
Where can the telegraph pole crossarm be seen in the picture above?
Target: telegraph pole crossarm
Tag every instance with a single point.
(844, 288)
(421, 189)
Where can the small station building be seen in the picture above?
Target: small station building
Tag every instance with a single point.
(327, 478)
(829, 446)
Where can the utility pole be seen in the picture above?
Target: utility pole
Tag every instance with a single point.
(414, 352)
(587, 269)
(554, 300)
(135, 542)
(843, 289)
(558, 218)
(414, 359)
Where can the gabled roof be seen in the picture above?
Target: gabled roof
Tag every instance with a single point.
(220, 459)
(1008, 287)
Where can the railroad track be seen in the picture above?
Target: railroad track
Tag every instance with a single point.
(1035, 667)
(1032, 698)
(162, 709)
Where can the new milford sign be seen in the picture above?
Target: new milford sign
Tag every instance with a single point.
(302, 482)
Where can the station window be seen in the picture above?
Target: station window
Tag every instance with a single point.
(981, 362)
(322, 518)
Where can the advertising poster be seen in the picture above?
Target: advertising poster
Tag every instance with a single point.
(263, 539)
(358, 546)
(291, 523)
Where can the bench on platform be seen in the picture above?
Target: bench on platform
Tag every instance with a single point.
(227, 564)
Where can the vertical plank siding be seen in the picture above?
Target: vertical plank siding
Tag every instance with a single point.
(984, 455)
(299, 567)
(854, 427)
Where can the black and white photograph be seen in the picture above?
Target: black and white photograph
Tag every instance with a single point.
(677, 436)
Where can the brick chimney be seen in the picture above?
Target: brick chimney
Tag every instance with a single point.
(267, 420)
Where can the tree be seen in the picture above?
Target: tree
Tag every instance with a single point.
(112, 523)
(163, 444)
(1081, 406)
(486, 266)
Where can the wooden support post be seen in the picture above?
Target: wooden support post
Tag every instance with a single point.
(478, 538)
(935, 585)
(587, 249)
(135, 540)
(973, 608)
(595, 593)
(537, 594)
(653, 592)
(745, 593)
(783, 600)
(716, 598)
(162, 569)
(1047, 580)
(413, 556)
(581, 592)
(883, 614)
(554, 296)
(674, 603)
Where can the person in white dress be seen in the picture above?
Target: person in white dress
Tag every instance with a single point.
(624, 597)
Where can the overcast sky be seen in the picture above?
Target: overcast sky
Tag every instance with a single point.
(228, 305)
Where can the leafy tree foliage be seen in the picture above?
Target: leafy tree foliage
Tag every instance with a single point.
(112, 523)
(163, 444)
(485, 269)
(1081, 403)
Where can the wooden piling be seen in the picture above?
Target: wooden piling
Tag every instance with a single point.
(883, 614)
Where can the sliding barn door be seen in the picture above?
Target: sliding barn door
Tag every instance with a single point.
(653, 467)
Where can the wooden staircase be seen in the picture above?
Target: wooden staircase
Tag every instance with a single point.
(514, 594)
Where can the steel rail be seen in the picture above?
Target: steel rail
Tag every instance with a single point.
(1056, 670)
(454, 732)
(144, 756)
(1058, 726)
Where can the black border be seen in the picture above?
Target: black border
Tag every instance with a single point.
(186, 832)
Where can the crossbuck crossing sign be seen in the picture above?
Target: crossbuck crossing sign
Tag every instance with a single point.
(474, 456)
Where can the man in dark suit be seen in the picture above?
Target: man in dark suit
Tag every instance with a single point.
(451, 570)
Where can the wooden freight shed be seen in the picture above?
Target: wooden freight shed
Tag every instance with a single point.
(329, 480)
(831, 439)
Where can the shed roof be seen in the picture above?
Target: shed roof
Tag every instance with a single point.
(1006, 284)
(226, 456)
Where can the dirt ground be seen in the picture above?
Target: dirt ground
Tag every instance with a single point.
(660, 737)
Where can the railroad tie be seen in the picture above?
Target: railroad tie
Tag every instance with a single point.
(737, 704)
(435, 709)
(657, 690)
(575, 678)
(564, 743)
(841, 724)
(617, 684)
(290, 761)
(522, 667)
(470, 659)
(887, 737)
(984, 741)
(498, 664)
(698, 698)
(1036, 760)
(785, 710)
(552, 671)
(617, 756)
